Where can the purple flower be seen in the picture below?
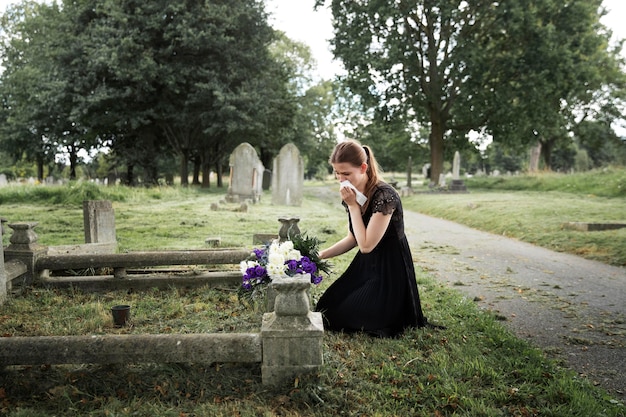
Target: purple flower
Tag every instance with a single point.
(308, 266)
(259, 253)
(316, 279)
(292, 265)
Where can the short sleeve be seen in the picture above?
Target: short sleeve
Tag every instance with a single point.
(385, 200)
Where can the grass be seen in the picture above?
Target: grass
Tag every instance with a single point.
(530, 209)
(473, 368)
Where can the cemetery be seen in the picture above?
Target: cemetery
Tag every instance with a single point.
(326, 366)
(290, 339)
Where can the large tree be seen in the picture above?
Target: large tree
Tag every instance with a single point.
(191, 77)
(441, 63)
(37, 91)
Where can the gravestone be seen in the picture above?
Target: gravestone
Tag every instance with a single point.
(3, 180)
(457, 183)
(288, 177)
(456, 166)
(246, 174)
(99, 221)
(426, 171)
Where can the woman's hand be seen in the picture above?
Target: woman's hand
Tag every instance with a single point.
(348, 195)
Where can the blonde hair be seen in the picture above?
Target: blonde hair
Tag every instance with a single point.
(355, 154)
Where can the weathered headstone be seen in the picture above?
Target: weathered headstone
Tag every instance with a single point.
(456, 166)
(426, 171)
(288, 177)
(3, 180)
(246, 174)
(99, 221)
(457, 183)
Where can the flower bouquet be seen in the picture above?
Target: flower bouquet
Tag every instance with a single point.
(276, 260)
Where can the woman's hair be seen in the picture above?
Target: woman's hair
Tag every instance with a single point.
(353, 153)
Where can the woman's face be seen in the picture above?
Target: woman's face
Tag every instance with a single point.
(345, 171)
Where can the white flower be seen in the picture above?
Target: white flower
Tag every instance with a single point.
(276, 270)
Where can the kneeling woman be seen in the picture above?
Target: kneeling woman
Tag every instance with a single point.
(378, 293)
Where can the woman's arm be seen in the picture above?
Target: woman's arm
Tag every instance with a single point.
(368, 238)
(339, 248)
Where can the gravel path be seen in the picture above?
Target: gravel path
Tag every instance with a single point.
(571, 308)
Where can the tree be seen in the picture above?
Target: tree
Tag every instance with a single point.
(558, 71)
(404, 58)
(33, 98)
(454, 65)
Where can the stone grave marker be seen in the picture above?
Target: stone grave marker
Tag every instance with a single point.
(457, 183)
(246, 174)
(288, 177)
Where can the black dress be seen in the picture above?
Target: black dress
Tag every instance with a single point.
(377, 294)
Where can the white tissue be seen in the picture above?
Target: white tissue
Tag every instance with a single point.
(360, 197)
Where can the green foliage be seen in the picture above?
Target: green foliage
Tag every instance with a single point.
(310, 246)
(519, 70)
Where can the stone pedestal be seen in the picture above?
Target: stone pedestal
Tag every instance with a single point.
(24, 248)
(289, 227)
(457, 185)
(292, 334)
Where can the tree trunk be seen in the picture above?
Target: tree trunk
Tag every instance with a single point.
(197, 165)
(40, 168)
(436, 150)
(546, 153)
(184, 168)
(73, 163)
(130, 175)
(218, 172)
(206, 171)
(535, 154)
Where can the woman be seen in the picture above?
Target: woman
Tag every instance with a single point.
(377, 294)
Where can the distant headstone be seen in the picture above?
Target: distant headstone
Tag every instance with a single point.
(246, 174)
(456, 166)
(457, 183)
(3, 180)
(99, 221)
(426, 171)
(288, 177)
